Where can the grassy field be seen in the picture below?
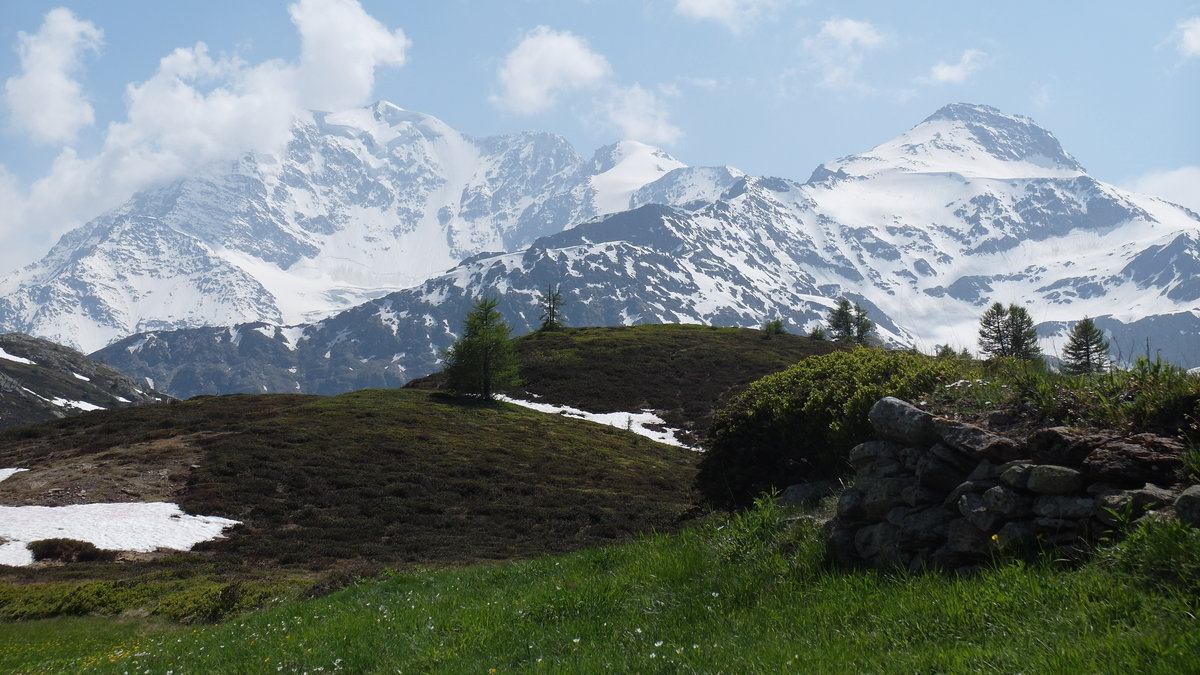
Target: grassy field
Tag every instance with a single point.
(747, 595)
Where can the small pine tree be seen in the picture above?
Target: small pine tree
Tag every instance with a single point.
(849, 323)
(772, 328)
(1086, 351)
(1008, 331)
(482, 360)
(551, 303)
(818, 333)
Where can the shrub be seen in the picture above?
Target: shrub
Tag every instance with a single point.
(1162, 553)
(801, 423)
(68, 550)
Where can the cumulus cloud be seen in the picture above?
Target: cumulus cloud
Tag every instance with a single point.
(839, 48)
(971, 61)
(1174, 185)
(1187, 38)
(197, 108)
(45, 100)
(546, 63)
(641, 115)
(735, 15)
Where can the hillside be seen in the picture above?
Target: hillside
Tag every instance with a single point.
(384, 477)
(681, 372)
(40, 380)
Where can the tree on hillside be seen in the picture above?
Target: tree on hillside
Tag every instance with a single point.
(849, 323)
(482, 360)
(1008, 331)
(551, 303)
(772, 328)
(818, 333)
(1086, 351)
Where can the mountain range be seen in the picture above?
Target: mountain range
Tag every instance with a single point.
(233, 279)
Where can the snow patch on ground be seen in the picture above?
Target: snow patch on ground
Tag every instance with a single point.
(18, 359)
(5, 473)
(638, 422)
(138, 526)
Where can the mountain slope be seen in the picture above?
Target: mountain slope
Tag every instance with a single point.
(969, 207)
(363, 202)
(40, 380)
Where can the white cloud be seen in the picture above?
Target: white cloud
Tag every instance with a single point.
(196, 109)
(545, 63)
(971, 61)
(838, 51)
(45, 100)
(1187, 34)
(341, 46)
(1174, 185)
(641, 116)
(735, 15)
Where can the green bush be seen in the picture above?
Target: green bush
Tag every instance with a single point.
(1163, 554)
(800, 424)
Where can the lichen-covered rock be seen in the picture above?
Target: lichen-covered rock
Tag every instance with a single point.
(1050, 479)
(882, 495)
(880, 544)
(1187, 506)
(808, 494)
(1136, 460)
(877, 458)
(924, 527)
(1063, 445)
(934, 472)
(902, 422)
(964, 538)
(968, 486)
(919, 495)
(976, 441)
(1016, 474)
(1007, 502)
(972, 507)
(1062, 506)
(849, 504)
(1016, 535)
(1119, 507)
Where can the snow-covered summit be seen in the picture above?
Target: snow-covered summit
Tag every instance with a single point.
(975, 141)
(618, 170)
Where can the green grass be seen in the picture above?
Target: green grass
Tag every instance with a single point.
(747, 595)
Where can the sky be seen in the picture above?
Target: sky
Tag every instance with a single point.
(100, 99)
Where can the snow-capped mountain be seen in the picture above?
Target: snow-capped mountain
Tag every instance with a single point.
(970, 207)
(362, 202)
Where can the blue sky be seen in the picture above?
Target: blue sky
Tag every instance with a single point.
(102, 98)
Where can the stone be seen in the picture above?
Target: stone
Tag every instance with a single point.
(959, 460)
(849, 504)
(972, 508)
(964, 538)
(1055, 524)
(1061, 445)
(1136, 460)
(1118, 507)
(808, 494)
(968, 486)
(1007, 502)
(1015, 535)
(925, 527)
(882, 495)
(1187, 506)
(1051, 479)
(1062, 506)
(879, 545)
(934, 472)
(984, 470)
(902, 422)
(976, 441)
(1016, 474)
(918, 495)
(841, 545)
(865, 456)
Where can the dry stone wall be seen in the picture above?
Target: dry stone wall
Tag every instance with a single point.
(940, 493)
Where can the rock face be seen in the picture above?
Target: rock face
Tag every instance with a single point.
(944, 494)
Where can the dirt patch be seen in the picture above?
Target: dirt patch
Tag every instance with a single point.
(155, 471)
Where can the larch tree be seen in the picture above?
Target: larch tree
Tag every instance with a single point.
(1008, 331)
(482, 360)
(849, 323)
(551, 303)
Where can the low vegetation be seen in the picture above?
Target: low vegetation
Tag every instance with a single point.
(751, 593)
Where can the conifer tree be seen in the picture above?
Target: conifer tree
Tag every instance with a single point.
(1086, 351)
(1008, 331)
(551, 303)
(849, 323)
(482, 360)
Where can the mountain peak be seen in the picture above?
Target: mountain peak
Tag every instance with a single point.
(618, 170)
(970, 140)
